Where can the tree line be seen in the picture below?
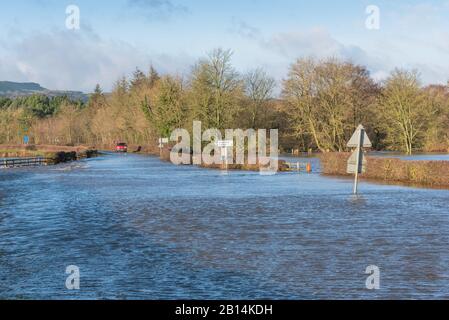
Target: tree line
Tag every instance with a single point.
(316, 107)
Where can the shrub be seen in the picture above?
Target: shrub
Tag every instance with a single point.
(429, 173)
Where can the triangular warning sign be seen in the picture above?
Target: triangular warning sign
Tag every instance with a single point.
(355, 140)
(352, 163)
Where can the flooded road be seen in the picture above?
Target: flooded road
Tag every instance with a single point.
(139, 228)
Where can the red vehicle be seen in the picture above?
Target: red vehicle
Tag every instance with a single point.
(121, 147)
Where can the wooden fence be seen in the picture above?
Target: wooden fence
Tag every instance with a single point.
(23, 162)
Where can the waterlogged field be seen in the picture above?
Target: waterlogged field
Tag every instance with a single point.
(139, 228)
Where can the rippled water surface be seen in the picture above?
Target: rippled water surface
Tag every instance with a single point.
(141, 229)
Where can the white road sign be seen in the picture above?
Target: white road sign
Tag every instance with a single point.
(352, 163)
(225, 143)
(357, 162)
(355, 140)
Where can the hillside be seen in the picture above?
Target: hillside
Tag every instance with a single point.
(16, 89)
(7, 86)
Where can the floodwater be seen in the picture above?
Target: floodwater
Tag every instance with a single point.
(138, 228)
(415, 157)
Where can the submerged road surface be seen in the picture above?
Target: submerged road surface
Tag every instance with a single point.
(138, 228)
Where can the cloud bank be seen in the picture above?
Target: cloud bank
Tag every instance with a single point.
(319, 43)
(78, 60)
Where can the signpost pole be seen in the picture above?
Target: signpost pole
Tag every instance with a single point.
(359, 156)
(160, 147)
(356, 179)
(226, 159)
(162, 141)
(224, 146)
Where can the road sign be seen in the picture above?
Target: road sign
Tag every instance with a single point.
(352, 163)
(225, 143)
(357, 163)
(162, 141)
(26, 140)
(356, 139)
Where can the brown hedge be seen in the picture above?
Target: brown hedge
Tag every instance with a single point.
(426, 173)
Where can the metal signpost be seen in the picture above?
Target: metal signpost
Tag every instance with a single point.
(357, 162)
(162, 141)
(224, 145)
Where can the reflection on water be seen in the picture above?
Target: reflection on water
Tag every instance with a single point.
(140, 228)
(358, 199)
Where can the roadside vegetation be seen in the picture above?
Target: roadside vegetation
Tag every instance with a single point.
(52, 154)
(419, 173)
(320, 104)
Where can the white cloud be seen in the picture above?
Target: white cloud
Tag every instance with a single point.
(244, 29)
(78, 60)
(380, 60)
(315, 42)
(156, 9)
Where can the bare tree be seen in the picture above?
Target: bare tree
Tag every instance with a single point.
(215, 89)
(259, 88)
(322, 100)
(405, 111)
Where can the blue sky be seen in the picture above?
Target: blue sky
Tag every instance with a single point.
(118, 36)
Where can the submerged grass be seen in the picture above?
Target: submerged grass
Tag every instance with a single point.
(420, 173)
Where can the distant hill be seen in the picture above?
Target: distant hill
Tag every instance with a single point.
(7, 86)
(16, 89)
